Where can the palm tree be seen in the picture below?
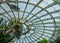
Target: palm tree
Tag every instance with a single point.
(15, 28)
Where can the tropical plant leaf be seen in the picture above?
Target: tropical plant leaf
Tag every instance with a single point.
(44, 40)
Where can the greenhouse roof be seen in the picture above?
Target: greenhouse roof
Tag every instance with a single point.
(40, 18)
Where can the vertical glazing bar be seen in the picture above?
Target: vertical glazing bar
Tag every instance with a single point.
(33, 8)
(25, 8)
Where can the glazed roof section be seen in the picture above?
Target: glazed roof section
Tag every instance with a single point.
(44, 14)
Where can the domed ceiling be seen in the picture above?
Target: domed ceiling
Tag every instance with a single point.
(35, 19)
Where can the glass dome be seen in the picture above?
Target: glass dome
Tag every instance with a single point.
(37, 18)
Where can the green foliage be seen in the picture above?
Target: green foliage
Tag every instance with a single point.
(57, 1)
(1, 19)
(4, 38)
(58, 31)
(44, 40)
(57, 40)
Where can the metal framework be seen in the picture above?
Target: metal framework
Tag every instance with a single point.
(40, 16)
